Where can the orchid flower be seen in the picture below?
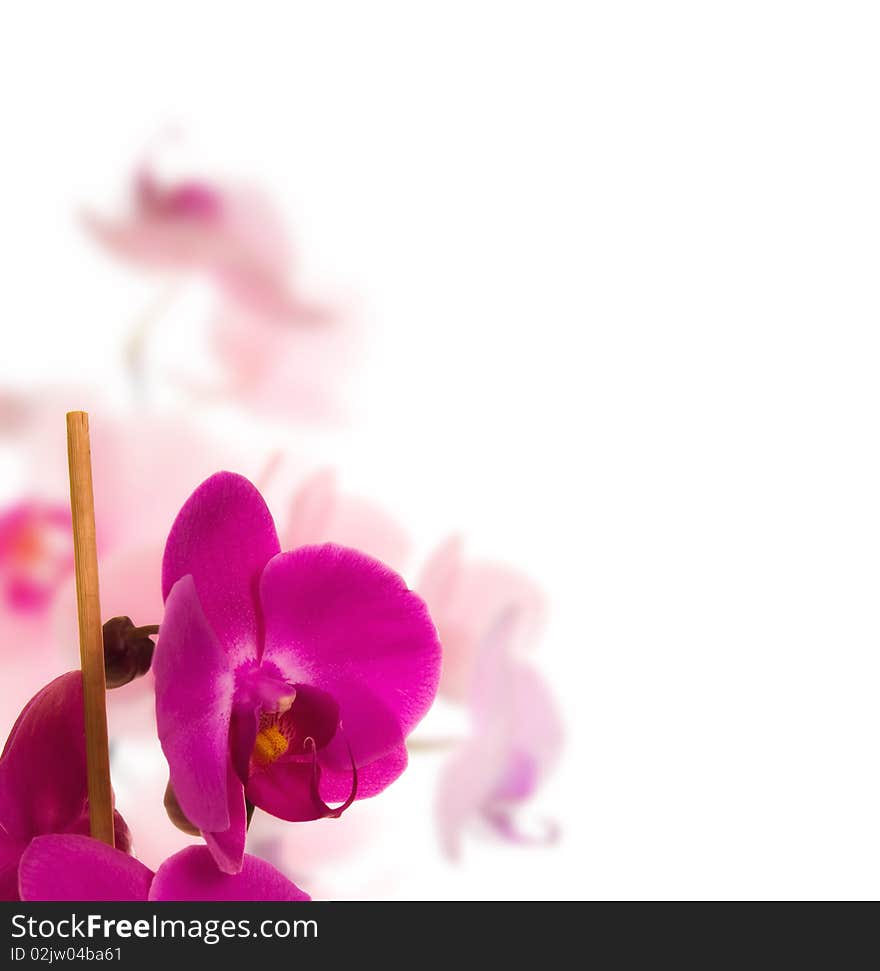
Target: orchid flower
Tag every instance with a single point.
(466, 599)
(516, 739)
(72, 867)
(43, 776)
(287, 679)
(230, 233)
(36, 553)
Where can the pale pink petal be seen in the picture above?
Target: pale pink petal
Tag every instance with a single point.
(321, 514)
(465, 600)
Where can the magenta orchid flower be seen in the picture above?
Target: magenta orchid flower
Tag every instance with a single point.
(515, 742)
(287, 679)
(43, 776)
(232, 234)
(74, 867)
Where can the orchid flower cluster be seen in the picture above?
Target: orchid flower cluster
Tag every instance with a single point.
(282, 680)
(292, 663)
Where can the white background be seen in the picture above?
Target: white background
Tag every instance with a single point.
(618, 267)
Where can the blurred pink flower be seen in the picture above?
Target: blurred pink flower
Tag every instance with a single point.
(36, 553)
(231, 233)
(320, 513)
(515, 742)
(276, 351)
(273, 369)
(142, 465)
(466, 600)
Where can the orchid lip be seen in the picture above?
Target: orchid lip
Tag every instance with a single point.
(339, 810)
(263, 686)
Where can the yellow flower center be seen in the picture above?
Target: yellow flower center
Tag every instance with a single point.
(271, 743)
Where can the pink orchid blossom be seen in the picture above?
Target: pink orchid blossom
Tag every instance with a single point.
(36, 553)
(321, 513)
(81, 868)
(466, 600)
(290, 679)
(271, 369)
(43, 776)
(515, 742)
(230, 233)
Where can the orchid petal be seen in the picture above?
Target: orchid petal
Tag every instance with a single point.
(227, 847)
(291, 790)
(466, 600)
(192, 875)
(288, 790)
(194, 690)
(223, 537)
(373, 777)
(74, 867)
(43, 766)
(345, 623)
(319, 513)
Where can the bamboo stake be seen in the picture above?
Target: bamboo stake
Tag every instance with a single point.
(91, 640)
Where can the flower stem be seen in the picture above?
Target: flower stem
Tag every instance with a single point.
(91, 638)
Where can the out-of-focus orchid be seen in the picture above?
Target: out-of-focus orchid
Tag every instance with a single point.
(43, 776)
(290, 679)
(274, 370)
(142, 462)
(466, 600)
(36, 553)
(516, 739)
(81, 868)
(231, 233)
(320, 513)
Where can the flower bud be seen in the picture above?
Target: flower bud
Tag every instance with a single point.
(176, 814)
(128, 651)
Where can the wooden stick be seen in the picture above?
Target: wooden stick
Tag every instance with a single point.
(91, 640)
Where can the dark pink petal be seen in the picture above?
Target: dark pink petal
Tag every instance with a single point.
(73, 867)
(43, 766)
(291, 788)
(223, 537)
(194, 690)
(242, 735)
(343, 622)
(314, 715)
(227, 847)
(192, 875)
(373, 778)
(10, 853)
(288, 790)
